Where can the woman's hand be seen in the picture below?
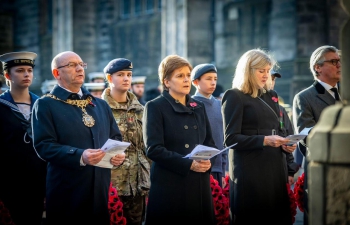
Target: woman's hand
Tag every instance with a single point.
(289, 148)
(118, 159)
(275, 141)
(200, 166)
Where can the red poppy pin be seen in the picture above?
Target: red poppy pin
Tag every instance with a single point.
(91, 103)
(274, 99)
(193, 104)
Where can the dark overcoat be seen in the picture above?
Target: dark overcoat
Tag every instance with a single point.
(74, 192)
(22, 172)
(307, 108)
(178, 195)
(258, 175)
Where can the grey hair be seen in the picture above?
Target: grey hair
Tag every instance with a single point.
(317, 57)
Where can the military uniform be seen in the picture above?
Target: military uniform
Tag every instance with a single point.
(131, 179)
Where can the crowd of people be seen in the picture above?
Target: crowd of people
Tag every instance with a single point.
(50, 160)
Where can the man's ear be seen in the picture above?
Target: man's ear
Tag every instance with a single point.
(55, 73)
(317, 68)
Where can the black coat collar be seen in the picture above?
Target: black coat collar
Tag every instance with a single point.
(191, 104)
(323, 94)
(61, 93)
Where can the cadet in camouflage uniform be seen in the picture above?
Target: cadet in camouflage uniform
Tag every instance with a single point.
(131, 179)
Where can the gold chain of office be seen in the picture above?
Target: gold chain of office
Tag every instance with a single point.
(87, 119)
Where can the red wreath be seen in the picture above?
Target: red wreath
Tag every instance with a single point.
(221, 202)
(115, 207)
(293, 205)
(299, 192)
(5, 217)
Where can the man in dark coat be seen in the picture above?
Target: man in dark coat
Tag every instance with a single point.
(69, 128)
(308, 104)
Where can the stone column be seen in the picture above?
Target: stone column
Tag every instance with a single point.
(62, 32)
(329, 146)
(174, 27)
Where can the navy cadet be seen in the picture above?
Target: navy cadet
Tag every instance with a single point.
(69, 128)
(22, 173)
(131, 179)
(204, 78)
(138, 88)
(96, 77)
(95, 88)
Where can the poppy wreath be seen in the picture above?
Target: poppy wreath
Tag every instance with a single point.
(293, 205)
(5, 217)
(299, 192)
(115, 207)
(221, 203)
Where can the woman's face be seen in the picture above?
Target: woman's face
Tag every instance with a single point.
(179, 84)
(262, 75)
(21, 76)
(120, 80)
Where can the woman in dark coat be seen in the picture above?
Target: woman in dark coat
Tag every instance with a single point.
(258, 178)
(22, 172)
(174, 124)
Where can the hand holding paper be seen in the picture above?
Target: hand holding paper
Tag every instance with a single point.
(112, 148)
(205, 152)
(293, 139)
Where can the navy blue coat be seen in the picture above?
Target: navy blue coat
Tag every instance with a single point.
(178, 195)
(74, 192)
(22, 172)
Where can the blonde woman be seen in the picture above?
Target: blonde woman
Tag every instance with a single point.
(257, 165)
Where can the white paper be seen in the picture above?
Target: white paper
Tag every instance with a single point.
(293, 139)
(112, 148)
(205, 152)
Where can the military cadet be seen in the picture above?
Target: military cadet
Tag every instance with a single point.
(204, 77)
(95, 88)
(131, 179)
(22, 172)
(138, 88)
(69, 128)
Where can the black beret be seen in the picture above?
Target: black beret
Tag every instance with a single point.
(201, 69)
(12, 59)
(117, 65)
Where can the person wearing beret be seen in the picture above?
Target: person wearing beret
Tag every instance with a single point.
(69, 128)
(131, 179)
(22, 172)
(204, 78)
(257, 165)
(174, 123)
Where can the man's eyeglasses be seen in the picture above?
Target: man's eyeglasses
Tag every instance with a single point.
(74, 65)
(333, 61)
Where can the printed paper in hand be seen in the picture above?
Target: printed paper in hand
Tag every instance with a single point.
(112, 148)
(205, 152)
(293, 139)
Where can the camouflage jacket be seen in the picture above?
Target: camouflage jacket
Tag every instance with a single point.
(132, 177)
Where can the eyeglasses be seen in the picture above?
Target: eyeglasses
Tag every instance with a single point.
(333, 61)
(74, 65)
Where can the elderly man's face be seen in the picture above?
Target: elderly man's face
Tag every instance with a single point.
(71, 75)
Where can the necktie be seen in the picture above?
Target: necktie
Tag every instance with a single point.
(336, 94)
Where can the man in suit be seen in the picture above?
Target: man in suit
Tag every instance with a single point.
(69, 128)
(308, 104)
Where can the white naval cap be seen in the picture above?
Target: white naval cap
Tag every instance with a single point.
(12, 59)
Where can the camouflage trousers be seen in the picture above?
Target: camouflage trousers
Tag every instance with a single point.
(134, 208)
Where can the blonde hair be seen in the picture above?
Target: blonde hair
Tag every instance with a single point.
(168, 65)
(244, 78)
